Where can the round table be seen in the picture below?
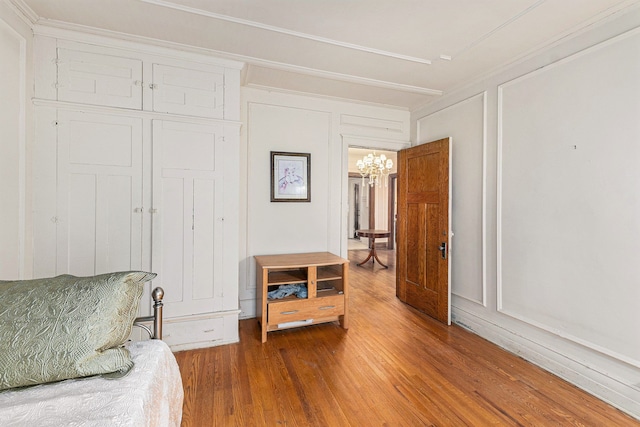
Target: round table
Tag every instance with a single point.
(372, 235)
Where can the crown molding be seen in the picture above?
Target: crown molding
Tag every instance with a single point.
(23, 11)
(85, 34)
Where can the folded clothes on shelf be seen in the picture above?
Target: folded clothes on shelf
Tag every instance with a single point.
(299, 290)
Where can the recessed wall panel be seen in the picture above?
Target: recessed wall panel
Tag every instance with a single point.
(569, 205)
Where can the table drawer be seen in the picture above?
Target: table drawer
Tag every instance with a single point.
(303, 309)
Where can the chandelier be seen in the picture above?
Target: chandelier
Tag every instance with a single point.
(377, 168)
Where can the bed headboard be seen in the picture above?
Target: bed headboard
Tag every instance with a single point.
(157, 294)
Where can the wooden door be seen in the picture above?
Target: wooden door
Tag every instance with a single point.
(422, 278)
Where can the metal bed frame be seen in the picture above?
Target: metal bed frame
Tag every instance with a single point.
(157, 294)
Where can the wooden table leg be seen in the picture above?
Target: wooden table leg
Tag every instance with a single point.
(375, 256)
(367, 259)
(373, 253)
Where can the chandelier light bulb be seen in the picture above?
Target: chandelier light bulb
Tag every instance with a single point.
(375, 167)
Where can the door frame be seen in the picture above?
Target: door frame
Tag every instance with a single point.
(369, 143)
(393, 195)
(371, 202)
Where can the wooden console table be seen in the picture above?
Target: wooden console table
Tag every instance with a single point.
(326, 278)
(372, 235)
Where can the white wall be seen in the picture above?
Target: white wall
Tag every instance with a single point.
(547, 207)
(16, 132)
(324, 128)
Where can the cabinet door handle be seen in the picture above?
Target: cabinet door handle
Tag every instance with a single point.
(326, 307)
(289, 312)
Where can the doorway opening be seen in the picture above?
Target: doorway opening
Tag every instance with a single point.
(371, 207)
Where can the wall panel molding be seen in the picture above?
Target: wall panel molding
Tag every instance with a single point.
(372, 123)
(560, 154)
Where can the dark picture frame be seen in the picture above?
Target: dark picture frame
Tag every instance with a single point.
(290, 177)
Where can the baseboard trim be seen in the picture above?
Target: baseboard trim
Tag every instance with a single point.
(201, 331)
(589, 378)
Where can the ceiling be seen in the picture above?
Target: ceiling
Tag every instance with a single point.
(401, 53)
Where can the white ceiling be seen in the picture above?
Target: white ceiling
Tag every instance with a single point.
(403, 53)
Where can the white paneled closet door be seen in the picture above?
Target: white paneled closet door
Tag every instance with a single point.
(99, 222)
(187, 216)
(188, 91)
(98, 79)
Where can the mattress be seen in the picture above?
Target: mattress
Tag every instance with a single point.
(149, 395)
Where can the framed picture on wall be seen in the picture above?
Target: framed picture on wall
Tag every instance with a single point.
(290, 177)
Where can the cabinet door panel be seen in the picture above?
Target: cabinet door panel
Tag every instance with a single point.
(189, 92)
(80, 247)
(204, 247)
(91, 78)
(169, 220)
(187, 225)
(99, 190)
(119, 214)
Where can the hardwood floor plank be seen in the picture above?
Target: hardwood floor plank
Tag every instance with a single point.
(394, 366)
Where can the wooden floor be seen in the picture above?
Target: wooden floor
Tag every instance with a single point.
(393, 367)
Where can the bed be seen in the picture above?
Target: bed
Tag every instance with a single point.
(136, 383)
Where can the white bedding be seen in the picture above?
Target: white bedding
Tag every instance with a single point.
(150, 395)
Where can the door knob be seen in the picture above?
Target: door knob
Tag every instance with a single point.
(443, 250)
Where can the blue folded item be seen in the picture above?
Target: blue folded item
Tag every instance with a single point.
(285, 290)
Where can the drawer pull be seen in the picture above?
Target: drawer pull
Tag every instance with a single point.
(327, 307)
(289, 312)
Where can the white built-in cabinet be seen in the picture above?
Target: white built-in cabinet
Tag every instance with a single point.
(136, 157)
(116, 81)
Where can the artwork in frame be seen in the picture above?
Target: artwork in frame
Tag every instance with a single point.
(290, 177)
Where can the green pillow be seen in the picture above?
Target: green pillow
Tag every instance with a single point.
(67, 327)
